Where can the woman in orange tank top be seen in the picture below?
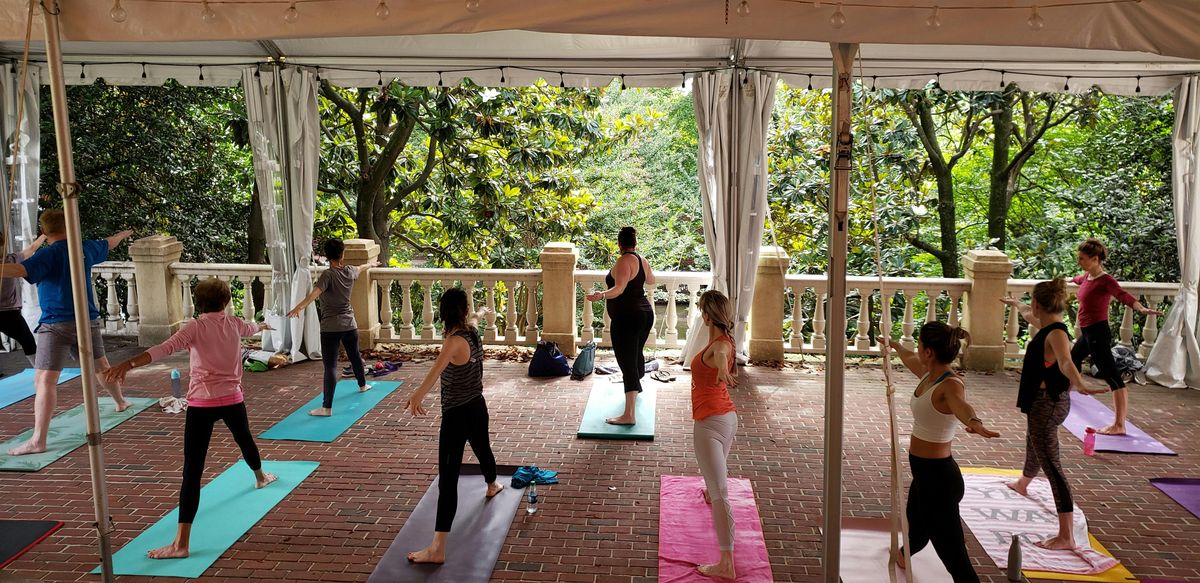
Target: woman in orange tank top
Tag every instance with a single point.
(713, 373)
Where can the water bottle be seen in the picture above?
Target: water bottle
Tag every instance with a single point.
(176, 390)
(1089, 441)
(533, 499)
(1014, 559)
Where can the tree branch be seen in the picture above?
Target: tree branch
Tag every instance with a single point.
(356, 119)
(926, 247)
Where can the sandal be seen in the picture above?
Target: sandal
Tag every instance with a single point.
(662, 376)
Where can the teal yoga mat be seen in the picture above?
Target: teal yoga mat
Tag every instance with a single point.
(608, 400)
(19, 387)
(67, 431)
(349, 405)
(229, 506)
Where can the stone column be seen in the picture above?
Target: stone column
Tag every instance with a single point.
(558, 295)
(363, 296)
(982, 313)
(766, 313)
(158, 293)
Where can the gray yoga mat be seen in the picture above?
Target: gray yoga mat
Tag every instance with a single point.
(480, 527)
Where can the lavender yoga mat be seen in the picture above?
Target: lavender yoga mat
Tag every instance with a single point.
(686, 537)
(1185, 491)
(1086, 412)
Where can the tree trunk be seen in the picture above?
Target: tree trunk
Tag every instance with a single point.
(256, 251)
(947, 214)
(999, 192)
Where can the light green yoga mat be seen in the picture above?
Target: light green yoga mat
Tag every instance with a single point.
(229, 506)
(608, 400)
(67, 432)
(349, 405)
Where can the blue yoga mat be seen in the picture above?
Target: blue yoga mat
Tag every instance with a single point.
(608, 400)
(19, 387)
(349, 405)
(229, 506)
(68, 431)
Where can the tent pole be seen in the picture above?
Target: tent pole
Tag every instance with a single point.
(79, 283)
(835, 352)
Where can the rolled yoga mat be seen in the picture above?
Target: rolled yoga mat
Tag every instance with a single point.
(229, 506)
(480, 526)
(1185, 491)
(19, 387)
(686, 537)
(866, 544)
(349, 405)
(608, 400)
(67, 432)
(18, 536)
(1087, 411)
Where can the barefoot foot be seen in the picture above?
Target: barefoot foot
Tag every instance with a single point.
(168, 552)
(27, 448)
(1056, 543)
(428, 555)
(321, 412)
(266, 479)
(622, 420)
(364, 388)
(121, 405)
(493, 489)
(717, 571)
(1113, 429)
(1019, 487)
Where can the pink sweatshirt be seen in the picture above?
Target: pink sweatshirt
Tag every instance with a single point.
(1095, 295)
(214, 340)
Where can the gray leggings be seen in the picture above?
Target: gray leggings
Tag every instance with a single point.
(713, 437)
(1041, 445)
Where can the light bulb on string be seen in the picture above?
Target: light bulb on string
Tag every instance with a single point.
(810, 81)
(838, 18)
(1067, 84)
(743, 8)
(380, 81)
(207, 14)
(83, 71)
(382, 11)
(291, 15)
(622, 81)
(683, 81)
(501, 75)
(934, 21)
(1035, 22)
(143, 70)
(1138, 89)
(472, 5)
(201, 72)
(440, 79)
(118, 13)
(1002, 80)
(562, 81)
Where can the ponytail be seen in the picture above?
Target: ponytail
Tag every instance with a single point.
(944, 340)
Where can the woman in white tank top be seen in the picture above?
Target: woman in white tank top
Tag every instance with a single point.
(939, 405)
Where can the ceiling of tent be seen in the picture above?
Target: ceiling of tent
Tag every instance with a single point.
(1107, 45)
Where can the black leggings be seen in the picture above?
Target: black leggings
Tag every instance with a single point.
(13, 325)
(1096, 340)
(933, 497)
(629, 333)
(329, 357)
(462, 424)
(1041, 445)
(197, 432)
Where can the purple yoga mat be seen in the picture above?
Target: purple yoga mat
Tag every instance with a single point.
(1185, 491)
(1086, 412)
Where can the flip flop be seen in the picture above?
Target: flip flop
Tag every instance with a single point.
(662, 376)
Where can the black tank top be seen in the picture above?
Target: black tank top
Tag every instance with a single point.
(1034, 371)
(462, 383)
(634, 297)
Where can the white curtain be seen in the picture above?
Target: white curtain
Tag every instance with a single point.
(733, 111)
(285, 138)
(1175, 359)
(21, 167)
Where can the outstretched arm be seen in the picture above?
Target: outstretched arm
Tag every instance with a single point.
(12, 270)
(956, 400)
(621, 277)
(28, 252)
(908, 357)
(116, 374)
(1022, 308)
(308, 299)
(115, 240)
(1062, 353)
(450, 346)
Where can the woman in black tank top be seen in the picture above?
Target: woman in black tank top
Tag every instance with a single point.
(631, 316)
(459, 365)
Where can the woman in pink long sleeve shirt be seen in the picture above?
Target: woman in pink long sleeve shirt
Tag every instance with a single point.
(214, 393)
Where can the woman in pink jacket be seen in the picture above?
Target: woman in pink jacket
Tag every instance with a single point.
(214, 394)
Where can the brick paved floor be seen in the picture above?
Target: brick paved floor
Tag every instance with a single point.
(338, 523)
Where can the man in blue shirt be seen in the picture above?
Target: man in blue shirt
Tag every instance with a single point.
(49, 268)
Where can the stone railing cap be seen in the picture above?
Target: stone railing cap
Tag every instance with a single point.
(562, 247)
(155, 245)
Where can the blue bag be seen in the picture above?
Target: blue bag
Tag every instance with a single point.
(585, 363)
(548, 361)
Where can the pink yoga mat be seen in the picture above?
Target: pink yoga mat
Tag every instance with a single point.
(686, 537)
(1087, 411)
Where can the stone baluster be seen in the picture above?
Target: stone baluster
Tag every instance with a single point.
(386, 330)
(672, 315)
(862, 341)
(796, 341)
(490, 318)
(586, 332)
(132, 311)
(1150, 329)
(931, 304)
(952, 317)
(112, 321)
(510, 313)
(885, 314)
(818, 337)
(531, 313)
(427, 330)
(185, 286)
(906, 339)
(248, 309)
(1012, 330)
(407, 330)
(1126, 339)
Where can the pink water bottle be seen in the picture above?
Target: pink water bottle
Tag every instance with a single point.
(1089, 441)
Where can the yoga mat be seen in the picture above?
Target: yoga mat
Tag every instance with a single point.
(686, 537)
(349, 405)
(19, 387)
(476, 538)
(66, 433)
(229, 506)
(18, 536)
(608, 400)
(1087, 411)
(1185, 491)
(866, 543)
(994, 513)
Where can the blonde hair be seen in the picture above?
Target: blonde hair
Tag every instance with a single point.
(53, 222)
(1051, 295)
(716, 306)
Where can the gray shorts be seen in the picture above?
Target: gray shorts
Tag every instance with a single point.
(56, 340)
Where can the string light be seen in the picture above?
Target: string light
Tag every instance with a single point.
(810, 81)
(934, 21)
(1067, 84)
(743, 8)
(937, 82)
(207, 14)
(143, 70)
(1002, 80)
(1035, 21)
(440, 79)
(622, 81)
(683, 81)
(382, 11)
(562, 81)
(118, 13)
(83, 70)
(201, 72)
(472, 5)
(501, 75)
(1138, 89)
(874, 78)
(838, 19)
(291, 14)
(380, 82)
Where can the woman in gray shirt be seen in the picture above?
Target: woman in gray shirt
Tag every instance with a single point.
(12, 322)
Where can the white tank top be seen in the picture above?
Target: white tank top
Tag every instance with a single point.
(930, 424)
